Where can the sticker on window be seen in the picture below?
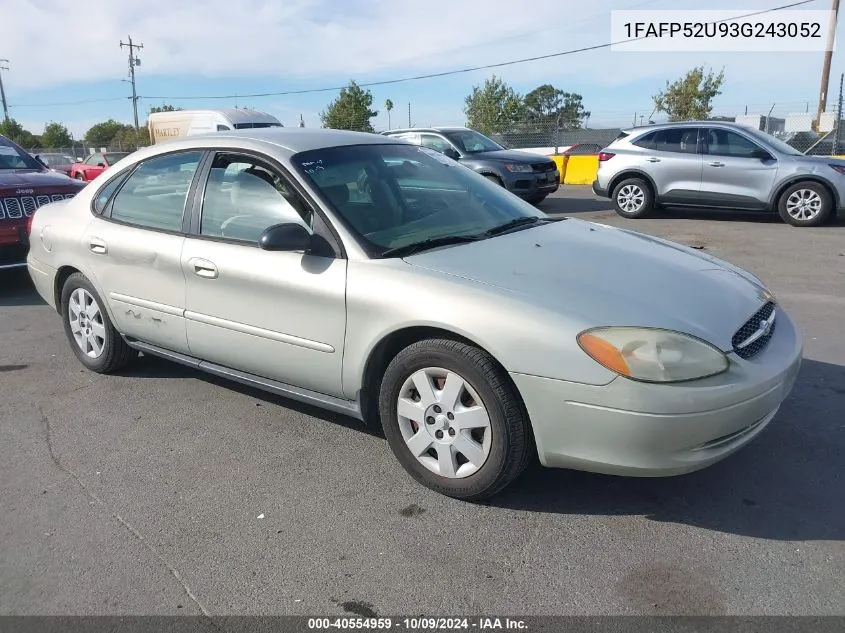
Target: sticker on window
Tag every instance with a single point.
(441, 158)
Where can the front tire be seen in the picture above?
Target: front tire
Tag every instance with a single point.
(805, 204)
(92, 337)
(79, 176)
(632, 198)
(454, 420)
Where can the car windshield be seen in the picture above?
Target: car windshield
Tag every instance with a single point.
(13, 157)
(776, 143)
(471, 142)
(393, 196)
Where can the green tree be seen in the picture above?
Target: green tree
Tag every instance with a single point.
(102, 134)
(56, 135)
(351, 110)
(493, 107)
(164, 108)
(388, 105)
(131, 139)
(16, 133)
(690, 98)
(547, 104)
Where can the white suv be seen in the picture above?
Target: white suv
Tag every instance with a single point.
(718, 165)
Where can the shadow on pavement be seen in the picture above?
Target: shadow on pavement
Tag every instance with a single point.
(16, 289)
(786, 485)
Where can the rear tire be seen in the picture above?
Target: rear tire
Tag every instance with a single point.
(79, 176)
(805, 204)
(536, 199)
(472, 437)
(633, 198)
(92, 337)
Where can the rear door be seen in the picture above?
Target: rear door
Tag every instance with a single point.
(738, 173)
(673, 160)
(135, 245)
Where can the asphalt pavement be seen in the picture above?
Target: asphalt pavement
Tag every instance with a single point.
(165, 491)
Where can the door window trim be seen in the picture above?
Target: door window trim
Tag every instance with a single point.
(186, 211)
(322, 226)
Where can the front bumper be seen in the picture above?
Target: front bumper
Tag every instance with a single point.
(14, 245)
(651, 430)
(531, 185)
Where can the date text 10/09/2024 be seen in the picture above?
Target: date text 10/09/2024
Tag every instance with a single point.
(419, 624)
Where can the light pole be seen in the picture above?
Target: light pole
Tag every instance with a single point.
(4, 65)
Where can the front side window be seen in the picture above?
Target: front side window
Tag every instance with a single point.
(435, 142)
(154, 195)
(394, 195)
(245, 196)
(93, 159)
(105, 193)
(471, 142)
(726, 143)
(111, 159)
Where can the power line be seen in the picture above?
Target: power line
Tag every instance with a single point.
(467, 70)
(65, 103)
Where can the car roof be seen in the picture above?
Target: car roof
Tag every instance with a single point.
(637, 129)
(439, 128)
(290, 140)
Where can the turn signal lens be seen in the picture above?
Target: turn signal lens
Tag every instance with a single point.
(652, 355)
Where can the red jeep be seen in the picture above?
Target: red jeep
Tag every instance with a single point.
(25, 185)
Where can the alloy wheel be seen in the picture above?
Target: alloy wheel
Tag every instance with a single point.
(86, 323)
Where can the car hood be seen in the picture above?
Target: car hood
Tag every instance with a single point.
(598, 275)
(509, 155)
(30, 179)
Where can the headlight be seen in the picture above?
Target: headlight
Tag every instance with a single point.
(652, 355)
(519, 168)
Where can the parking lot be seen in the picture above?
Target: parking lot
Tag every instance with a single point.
(165, 491)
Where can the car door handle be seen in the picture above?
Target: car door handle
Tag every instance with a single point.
(98, 246)
(653, 159)
(204, 268)
(716, 163)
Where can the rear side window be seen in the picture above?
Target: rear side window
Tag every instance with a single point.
(676, 140)
(154, 195)
(103, 196)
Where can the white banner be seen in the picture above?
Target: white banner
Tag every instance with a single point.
(723, 31)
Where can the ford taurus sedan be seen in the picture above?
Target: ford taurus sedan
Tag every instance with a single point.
(383, 280)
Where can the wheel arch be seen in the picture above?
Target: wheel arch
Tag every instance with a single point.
(62, 275)
(794, 180)
(632, 173)
(386, 349)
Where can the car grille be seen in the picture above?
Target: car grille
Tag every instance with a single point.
(751, 327)
(541, 168)
(15, 208)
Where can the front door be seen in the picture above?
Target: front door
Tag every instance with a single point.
(135, 248)
(738, 173)
(280, 315)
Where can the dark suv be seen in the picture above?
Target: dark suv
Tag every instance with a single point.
(530, 176)
(25, 185)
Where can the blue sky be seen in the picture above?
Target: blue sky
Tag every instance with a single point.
(214, 47)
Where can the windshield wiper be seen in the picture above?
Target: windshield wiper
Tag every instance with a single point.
(515, 224)
(424, 245)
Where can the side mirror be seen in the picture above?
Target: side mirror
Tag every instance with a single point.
(762, 154)
(101, 164)
(452, 153)
(289, 236)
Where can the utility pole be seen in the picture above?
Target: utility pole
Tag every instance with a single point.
(409, 114)
(133, 61)
(828, 55)
(837, 137)
(4, 66)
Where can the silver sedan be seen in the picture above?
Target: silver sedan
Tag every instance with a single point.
(385, 281)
